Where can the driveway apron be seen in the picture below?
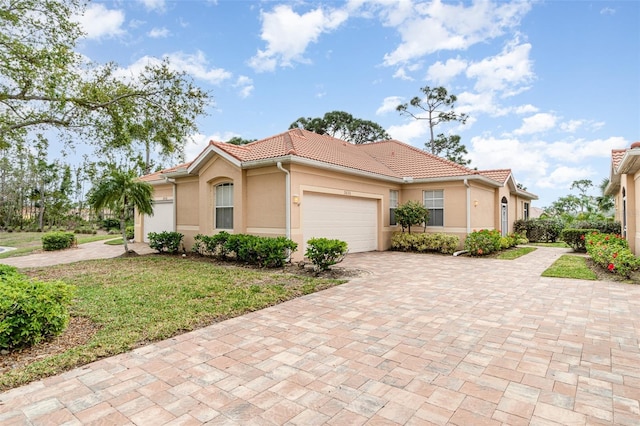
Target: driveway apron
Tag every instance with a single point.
(416, 340)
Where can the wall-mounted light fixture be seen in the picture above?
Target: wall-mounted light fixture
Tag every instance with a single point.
(475, 203)
(296, 200)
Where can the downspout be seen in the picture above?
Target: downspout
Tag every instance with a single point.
(287, 197)
(466, 183)
(175, 204)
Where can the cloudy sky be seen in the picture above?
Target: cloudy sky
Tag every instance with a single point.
(550, 86)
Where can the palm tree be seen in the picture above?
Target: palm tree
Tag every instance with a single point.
(605, 202)
(118, 192)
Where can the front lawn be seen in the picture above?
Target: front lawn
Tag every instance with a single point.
(568, 266)
(28, 242)
(123, 303)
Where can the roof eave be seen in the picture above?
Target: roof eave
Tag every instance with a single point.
(206, 155)
(629, 163)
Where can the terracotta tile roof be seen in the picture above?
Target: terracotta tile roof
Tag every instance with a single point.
(388, 158)
(158, 175)
(408, 161)
(499, 175)
(616, 156)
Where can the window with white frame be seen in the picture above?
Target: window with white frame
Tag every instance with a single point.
(224, 206)
(434, 202)
(526, 211)
(393, 205)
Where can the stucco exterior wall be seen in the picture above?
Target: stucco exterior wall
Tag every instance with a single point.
(265, 201)
(483, 207)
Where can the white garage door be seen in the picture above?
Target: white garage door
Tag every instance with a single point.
(350, 219)
(162, 219)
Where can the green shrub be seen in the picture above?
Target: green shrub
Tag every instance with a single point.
(31, 311)
(211, 245)
(6, 270)
(602, 226)
(57, 240)
(426, 242)
(539, 230)
(110, 224)
(268, 252)
(483, 242)
(411, 213)
(576, 238)
(129, 231)
(323, 252)
(611, 251)
(165, 241)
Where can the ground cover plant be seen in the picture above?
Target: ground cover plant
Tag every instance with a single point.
(126, 302)
(611, 251)
(569, 266)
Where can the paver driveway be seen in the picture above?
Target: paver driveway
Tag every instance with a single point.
(421, 339)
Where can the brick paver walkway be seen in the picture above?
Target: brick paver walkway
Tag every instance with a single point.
(419, 340)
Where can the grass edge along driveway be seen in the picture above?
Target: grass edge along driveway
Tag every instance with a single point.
(139, 300)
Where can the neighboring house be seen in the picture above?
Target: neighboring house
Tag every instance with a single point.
(625, 170)
(302, 185)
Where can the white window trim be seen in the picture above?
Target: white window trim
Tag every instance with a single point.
(424, 202)
(216, 206)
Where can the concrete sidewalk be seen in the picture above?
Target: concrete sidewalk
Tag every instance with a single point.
(94, 250)
(420, 340)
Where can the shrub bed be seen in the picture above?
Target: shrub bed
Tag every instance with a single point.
(539, 230)
(611, 252)
(165, 241)
(602, 226)
(576, 238)
(268, 252)
(439, 242)
(30, 310)
(58, 240)
(487, 241)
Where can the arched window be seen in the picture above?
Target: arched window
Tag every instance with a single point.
(224, 206)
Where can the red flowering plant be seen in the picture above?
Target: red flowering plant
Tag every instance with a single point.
(483, 242)
(612, 252)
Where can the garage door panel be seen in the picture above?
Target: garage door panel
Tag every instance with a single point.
(351, 219)
(162, 219)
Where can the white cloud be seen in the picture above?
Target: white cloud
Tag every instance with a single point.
(402, 74)
(571, 126)
(389, 104)
(159, 33)
(434, 26)
(494, 153)
(157, 5)
(525, 109)
(509, 72)
(441, 73)
(98, 21)
(413, 132)
(288, 34)
(537, 123)
(607, 11)
(196, 65)
(245, 84)
(563, 176)
(579, 150)
(196, 143)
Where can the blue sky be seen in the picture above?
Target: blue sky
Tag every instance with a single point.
(550, 86)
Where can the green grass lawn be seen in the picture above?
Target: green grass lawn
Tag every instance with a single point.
(143, 299)
(515, 252)
(559, 244)
(568, 266)
(28, 242)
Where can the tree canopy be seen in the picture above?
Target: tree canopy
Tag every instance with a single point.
(437, 107)
(45, 84)
(343, 125)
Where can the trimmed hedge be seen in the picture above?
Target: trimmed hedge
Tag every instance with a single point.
(58, 240)
(539, 230)
(612, 252)
(427, 242)
(602, 226)
(483, 242)
(165, 241)
(576, 238)
(268, 252)
(30, 310)
(324, 253)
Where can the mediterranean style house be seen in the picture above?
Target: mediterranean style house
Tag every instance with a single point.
(623, 186)
(302, 185)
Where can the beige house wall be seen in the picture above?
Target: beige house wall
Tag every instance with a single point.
(260, 201)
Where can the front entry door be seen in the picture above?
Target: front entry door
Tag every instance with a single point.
(504, 218)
